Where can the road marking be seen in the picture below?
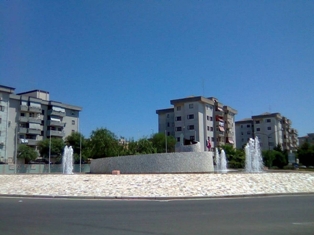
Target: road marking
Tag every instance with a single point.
(303, 223)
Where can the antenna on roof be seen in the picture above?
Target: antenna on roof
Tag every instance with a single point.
(203, 85)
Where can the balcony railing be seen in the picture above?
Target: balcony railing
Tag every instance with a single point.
(56, 113)
(34, 131)
(30, 142)
(24, 108)
(31, 119)
(22, 130)
(34, 109)
(55, 133)
(55, 123)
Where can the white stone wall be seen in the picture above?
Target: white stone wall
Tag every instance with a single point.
(187, 162)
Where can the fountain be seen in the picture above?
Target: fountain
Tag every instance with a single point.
(253, 156)
(67, 160)
(221, 161)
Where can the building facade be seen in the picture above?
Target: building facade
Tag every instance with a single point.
(200, 119)
(271, 128)
(29, 117)
(309, 138)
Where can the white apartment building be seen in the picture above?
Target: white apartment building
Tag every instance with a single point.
(271, 128)
(200, 119)
(28, 117)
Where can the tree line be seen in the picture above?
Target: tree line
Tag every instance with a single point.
(101, 143)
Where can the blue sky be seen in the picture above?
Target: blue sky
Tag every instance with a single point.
(122, 60)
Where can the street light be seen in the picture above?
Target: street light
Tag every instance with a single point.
(166, 139)
(49, 149)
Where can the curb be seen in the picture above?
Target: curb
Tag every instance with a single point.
(154, 198)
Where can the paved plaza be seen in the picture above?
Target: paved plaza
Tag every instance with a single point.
(156, 185)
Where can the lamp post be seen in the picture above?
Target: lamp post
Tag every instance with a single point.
(49, 149)
(15, 155)
(80, 153)
(166, 139)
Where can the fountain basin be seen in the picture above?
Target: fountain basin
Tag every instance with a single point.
(182, 162)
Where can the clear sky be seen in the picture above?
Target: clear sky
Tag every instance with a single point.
(122, 60)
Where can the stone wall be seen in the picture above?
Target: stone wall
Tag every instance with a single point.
(183, 162)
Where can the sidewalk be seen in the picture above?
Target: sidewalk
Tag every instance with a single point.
(153, 186)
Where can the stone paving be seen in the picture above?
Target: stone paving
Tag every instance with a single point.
(155, 185)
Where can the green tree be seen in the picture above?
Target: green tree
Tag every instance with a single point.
(103, 143)
(268, 158)
(145, 146)
(280, 157)
(78, 143)
(159, 142)
(235, 157)
(305, 153)
(56, 150)
(26, 152)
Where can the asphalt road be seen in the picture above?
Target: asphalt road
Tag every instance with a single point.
(265, 215)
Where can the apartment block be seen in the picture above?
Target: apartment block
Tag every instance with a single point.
(309, 138)
(200, 119)
(271, 128)
(29, 117)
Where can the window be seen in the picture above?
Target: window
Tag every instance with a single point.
(268, 120)
(213, 139)
(190, 106)
(179, 128)
(178, 108)
(191, 127)
(257, 121)
(248, 133)
(211, 118)
(248, 125)
(168, 124)
(178, 139)
(269, 128)
(258, 129)
(167, 115)
(0, 120)
(212, 129)
(207, 117)
(1, 108)
(241, 133)
(178, 118)
(208, 128)
(73, 122)
(190, 116)
(192, 137)
(73, 131)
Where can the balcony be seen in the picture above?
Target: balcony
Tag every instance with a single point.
(55, 123)
(23, 119)
(55, 133)
(34, 131)
(31, 142)
(31, 119)
(24, 108)
(22, 130)
(56, 113)
(34, 109)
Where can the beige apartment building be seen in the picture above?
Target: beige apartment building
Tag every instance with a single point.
(29, 117)
(271, 128)
(309, 138)
(200, 119)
